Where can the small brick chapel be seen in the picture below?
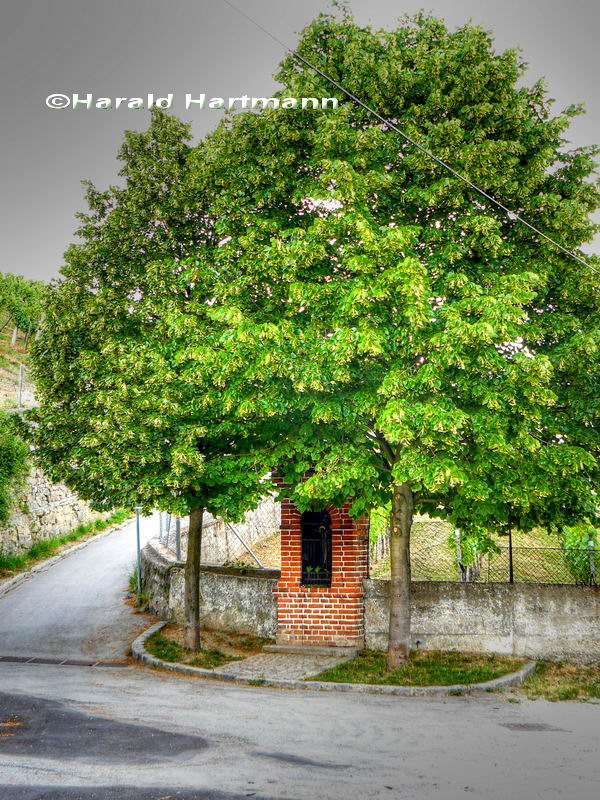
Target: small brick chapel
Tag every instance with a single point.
(320, 594)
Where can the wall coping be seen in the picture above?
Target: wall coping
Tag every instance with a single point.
(379, 586)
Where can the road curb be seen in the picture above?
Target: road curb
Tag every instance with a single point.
(139, 653)
(8, 584)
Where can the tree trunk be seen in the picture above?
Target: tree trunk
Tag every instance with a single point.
(400, 526)
(191, 627)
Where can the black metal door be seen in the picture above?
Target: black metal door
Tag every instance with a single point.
(316, 548)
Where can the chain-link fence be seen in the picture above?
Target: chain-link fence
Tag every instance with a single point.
(16, 390)
(433, 558)
(531, 558)
(249, 541)
(379, 549)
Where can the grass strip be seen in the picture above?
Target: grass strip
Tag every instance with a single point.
(559, 681)
(425, 668)
(169, 650)
(46, 548)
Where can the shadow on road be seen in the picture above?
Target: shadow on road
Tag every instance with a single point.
(41, 728)
(118, 793)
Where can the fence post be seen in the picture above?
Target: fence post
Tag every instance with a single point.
(167, 528)
(160, 527)
(510, 557)
(461, 571)
(592, 560)
(236, 534)
(178, 538)
(20, 394)
(138, 552)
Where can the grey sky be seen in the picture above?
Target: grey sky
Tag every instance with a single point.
(132, 47)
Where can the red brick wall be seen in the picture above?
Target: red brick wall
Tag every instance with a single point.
(323, 615)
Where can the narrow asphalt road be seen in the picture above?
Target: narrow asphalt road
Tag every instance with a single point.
(135, 734)
(101, 733)
(75, 608)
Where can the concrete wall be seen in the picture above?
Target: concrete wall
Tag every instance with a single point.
(560, 623)
(530, 620)
(40, 510)
(229, 600)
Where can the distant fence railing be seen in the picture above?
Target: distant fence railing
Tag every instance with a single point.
(222, 542)
(15, 393)
(435, 555)
(566, 565)
(432, 558)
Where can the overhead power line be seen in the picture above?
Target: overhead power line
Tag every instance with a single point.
(511, 214)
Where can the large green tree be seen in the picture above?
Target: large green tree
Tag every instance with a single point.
(431, 351)
(123, 417)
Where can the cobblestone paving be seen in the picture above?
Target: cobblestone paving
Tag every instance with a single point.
(281, 666)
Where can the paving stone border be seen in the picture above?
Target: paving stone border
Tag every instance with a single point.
(62, 662)
(139, 652)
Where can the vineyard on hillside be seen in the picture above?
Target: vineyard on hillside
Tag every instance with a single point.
(20, 317)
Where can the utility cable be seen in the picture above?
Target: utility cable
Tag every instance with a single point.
(511, 214)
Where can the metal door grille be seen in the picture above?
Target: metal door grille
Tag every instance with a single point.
(316, 548)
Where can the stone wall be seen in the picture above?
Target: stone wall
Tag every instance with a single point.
(531, 620)
(41, 510)
(229, 600)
